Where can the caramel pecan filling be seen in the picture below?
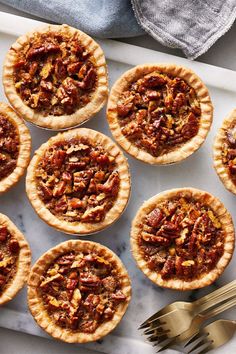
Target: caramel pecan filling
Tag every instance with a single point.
(181, 239)
(229, 153)
(78, 181)
(159, 112)
(9, 147)
(54, 74)
(9, 252)
(81, 291)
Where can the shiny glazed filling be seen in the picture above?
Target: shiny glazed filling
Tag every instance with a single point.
(181, 238)
(9, 253)
(54, 74)
(159, 112)
(9, 147)
(81, 291)
(77, 180)
(229, 153)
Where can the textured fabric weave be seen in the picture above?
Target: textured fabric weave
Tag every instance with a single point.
(191, 25)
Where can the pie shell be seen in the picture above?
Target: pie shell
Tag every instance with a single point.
(220, 138)
(24, 147)
(120, 203)
(180, 152)
(203, 197)
(36, 303)
(23, 264)
(99, 96)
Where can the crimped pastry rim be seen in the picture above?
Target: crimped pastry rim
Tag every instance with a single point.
(36, 306)
(24, 148)
(23, 264)
(224, 217)
(186, 149)
(99, 96)
(120, 203)
(219, 166)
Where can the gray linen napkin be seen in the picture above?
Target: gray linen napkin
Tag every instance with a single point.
(191, 25)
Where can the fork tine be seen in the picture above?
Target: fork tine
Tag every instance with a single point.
(197, 336)
(198, 345)
(157, 336)
(146, 323)
(206, 350)
(150, 323)
(167, 345)
(153, 330)
(160, 340)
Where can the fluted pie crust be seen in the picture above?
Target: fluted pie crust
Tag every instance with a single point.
(36, 303)
(78, 227)
(179, 152)
(220, 138)
(23, 263)
(227, 225)
(24, 147)
(98, 96)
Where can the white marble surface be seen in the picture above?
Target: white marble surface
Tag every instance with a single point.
(221, 54)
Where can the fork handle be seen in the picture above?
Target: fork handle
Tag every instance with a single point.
(215, 311)
(215, 294)
(217, 301)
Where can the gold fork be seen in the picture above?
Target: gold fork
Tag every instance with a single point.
(163, 314)
(181, 307)
(164, 341)
(212, 336)
(161, 327)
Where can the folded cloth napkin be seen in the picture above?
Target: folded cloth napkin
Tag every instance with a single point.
(191, 25)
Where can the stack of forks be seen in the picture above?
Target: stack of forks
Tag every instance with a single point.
(180, 323)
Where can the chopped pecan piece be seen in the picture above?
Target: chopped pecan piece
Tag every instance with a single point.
(52, 76)
(181, 239)
(158, 111)
(155, 217)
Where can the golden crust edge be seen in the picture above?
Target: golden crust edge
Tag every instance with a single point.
(118, 207)
(83, 114)
(36, 305)
(219, 166)
(24, 148)
(225, 219)
(23, 265)
(186, 149)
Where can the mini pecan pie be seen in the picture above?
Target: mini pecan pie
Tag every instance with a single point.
(56, 77)
(182, 238)
(224, 152)
(78, 182)
(15, 144)
(15, 258)
(78, 291)
(159, 114)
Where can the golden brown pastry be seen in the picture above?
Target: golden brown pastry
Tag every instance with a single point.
(159, 113)
(182, 238)
(78, 291)
(78, 181)
(56, 77)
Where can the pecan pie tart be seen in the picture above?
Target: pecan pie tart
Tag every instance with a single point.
(56, 77)
(78, 182)
(15, 145)
(182, 238)
(78, 291)
(159, 113)
(224, 152)
(15, 258)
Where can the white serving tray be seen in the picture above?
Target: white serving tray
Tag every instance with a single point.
(196, 171)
